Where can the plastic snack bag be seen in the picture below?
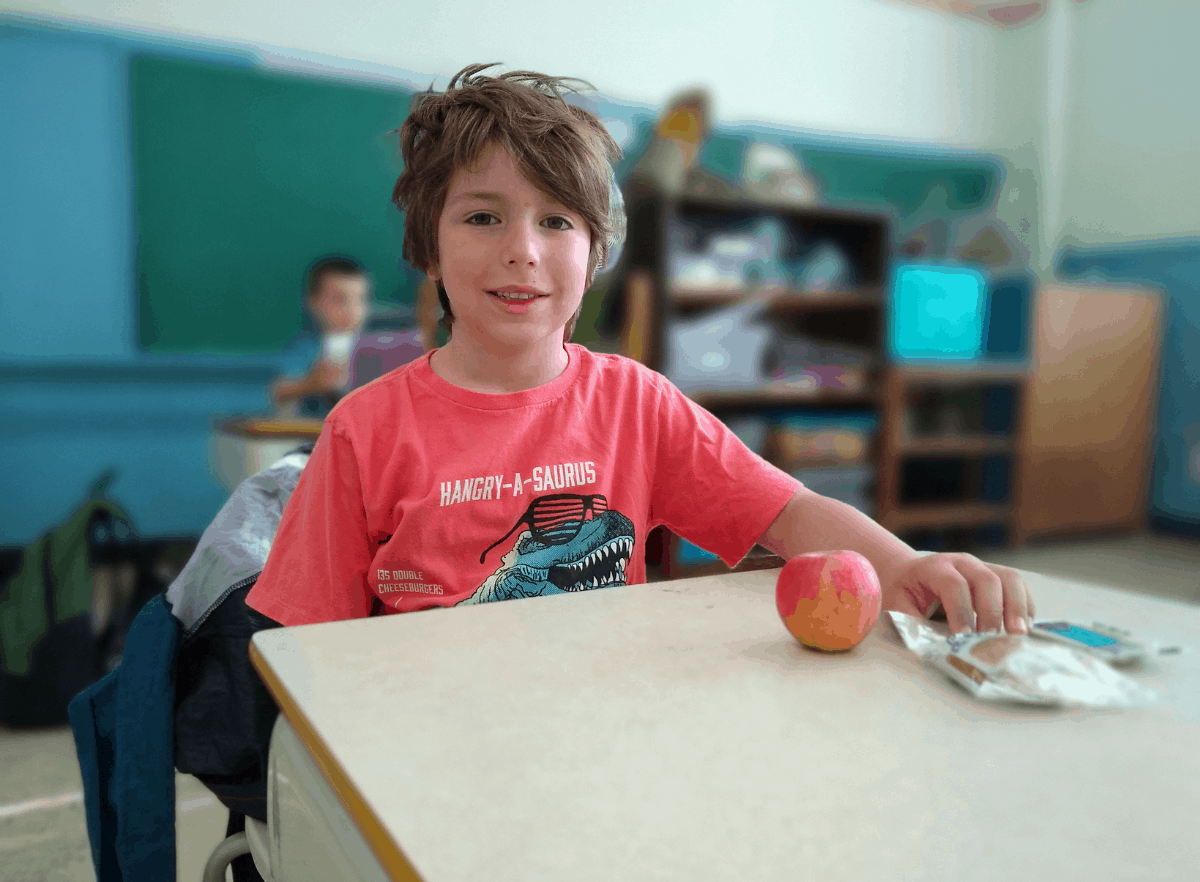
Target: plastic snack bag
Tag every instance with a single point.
(1114, 645)
(995, 666)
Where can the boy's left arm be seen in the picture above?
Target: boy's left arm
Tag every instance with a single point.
(974, 594)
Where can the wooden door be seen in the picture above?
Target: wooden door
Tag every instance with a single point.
(1090, 411)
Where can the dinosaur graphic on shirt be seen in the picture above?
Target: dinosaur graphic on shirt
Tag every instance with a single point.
(573, 551)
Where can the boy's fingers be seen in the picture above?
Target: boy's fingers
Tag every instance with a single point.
(906, 604)
(955, 594)
(1018, 600)
(987, 592)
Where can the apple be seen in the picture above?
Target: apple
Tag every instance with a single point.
(829, 600)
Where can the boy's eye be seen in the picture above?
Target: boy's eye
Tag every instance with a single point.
(558, 222)
(482, 219)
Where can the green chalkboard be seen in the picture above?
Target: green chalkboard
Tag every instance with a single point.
(244, 177)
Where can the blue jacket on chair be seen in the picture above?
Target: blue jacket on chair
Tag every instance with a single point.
(125, 724)
(123, 737)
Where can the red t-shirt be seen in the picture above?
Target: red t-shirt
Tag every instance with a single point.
(420, 493)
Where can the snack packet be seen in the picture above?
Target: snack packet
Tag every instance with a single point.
(995, 666)
(1114, 645)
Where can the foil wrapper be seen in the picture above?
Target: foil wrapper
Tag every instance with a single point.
(996, 666)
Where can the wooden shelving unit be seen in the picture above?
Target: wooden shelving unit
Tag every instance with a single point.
(982, 507)
(962, 449)
(858, 298)
(849, 317)
(782, 394)
(938, 516)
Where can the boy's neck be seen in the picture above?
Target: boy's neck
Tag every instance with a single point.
(478, 370)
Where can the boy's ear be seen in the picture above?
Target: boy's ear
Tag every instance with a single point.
(431, 270)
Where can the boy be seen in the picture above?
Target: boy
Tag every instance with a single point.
(511, 463)
(317, 371)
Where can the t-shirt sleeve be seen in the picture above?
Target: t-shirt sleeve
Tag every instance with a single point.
(317, 568)
(709, 487)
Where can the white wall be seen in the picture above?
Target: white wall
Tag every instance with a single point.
(1131, 167)
(1096, 106)
(844, 66)
(1094, 110)
(1093, 107)
(1012, 92)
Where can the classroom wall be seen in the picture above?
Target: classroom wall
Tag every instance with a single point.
(851, 66)
(68, 145)
(1094, 106)
(1124, 205)
(876, 71)
(1014, 68)
(79, 395)
(1131, 166)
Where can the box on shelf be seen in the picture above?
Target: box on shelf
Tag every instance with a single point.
(802, 439)
(849, 485)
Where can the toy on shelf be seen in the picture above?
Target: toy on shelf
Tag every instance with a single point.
(730, 259)
(821, 439)
(802, 364)
(773, 174)
(824, 271)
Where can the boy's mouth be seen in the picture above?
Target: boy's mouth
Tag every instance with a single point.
(516, 299)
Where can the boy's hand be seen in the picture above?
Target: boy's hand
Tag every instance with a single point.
(975, 595)
(327, 376)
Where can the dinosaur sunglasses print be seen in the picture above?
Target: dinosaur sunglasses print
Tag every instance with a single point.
(573, 543)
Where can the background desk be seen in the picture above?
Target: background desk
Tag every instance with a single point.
(676, 731)
(245, 446)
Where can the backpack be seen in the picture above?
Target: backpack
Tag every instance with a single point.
(54, 640)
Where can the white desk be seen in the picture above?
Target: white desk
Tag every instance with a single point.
(676, 731)
(245, 446)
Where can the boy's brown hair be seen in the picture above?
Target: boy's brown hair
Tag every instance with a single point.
(330, 266)
(562, 149)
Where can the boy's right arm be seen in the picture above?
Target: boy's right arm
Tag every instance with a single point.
(322, 377)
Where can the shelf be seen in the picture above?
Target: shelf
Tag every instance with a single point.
(943, 515)
(820, 211)
(781, 393)
(829, 464)
(950, 444)
(792, 299)
(954, 373)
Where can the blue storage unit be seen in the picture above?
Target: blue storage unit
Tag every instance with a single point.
(1174, 266)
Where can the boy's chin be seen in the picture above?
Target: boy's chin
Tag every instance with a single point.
(516, 334)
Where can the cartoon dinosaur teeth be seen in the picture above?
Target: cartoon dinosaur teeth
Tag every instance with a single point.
(597, 556)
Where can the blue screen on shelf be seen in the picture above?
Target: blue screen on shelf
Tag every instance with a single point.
(937, 313)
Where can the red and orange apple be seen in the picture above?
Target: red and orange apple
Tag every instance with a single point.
(829, 600)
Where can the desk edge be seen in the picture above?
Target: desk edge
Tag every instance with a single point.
(386, 850)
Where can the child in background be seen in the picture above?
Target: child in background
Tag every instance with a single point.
(511, 463)
(317, 367)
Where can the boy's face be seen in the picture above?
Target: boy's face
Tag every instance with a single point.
(513, 259)
(340, 302)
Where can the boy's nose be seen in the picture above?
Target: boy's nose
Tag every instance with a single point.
(520, 245)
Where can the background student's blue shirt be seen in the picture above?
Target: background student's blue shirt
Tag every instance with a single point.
(301, 352)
